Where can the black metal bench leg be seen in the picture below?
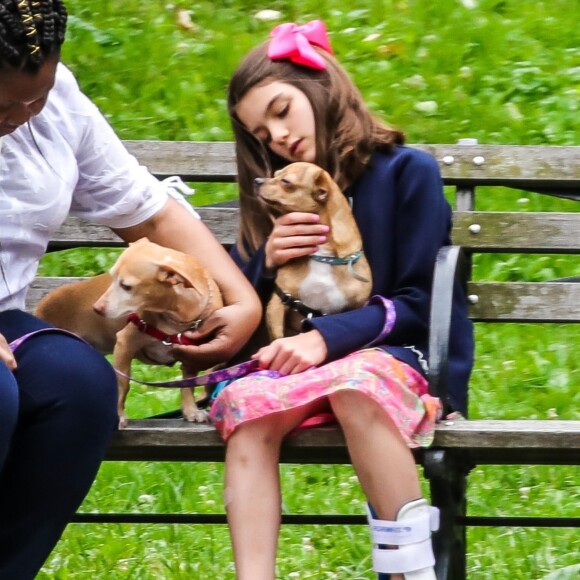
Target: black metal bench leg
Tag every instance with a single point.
(447, 475)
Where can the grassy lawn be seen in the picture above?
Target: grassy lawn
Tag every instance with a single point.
(502, 71)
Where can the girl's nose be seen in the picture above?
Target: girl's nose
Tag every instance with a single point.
(278, 132)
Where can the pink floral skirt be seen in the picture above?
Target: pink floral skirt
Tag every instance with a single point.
(399, 389)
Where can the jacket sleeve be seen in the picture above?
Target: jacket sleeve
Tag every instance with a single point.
(420, 225)
(253, 269)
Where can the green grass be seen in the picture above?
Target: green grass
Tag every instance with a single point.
(505, 71)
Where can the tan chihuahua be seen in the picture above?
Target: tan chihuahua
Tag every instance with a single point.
(337, 277)
(139, 310)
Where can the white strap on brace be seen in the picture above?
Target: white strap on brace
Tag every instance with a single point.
(413, 536)
(409, 558)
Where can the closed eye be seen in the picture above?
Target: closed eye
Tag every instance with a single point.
(125, 287)
(287, 184)
(283, 111)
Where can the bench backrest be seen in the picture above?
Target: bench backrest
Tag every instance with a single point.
(550, 170)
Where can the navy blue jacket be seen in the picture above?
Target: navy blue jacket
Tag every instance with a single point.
(404, 219)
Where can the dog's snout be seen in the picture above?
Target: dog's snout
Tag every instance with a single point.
(258, 182)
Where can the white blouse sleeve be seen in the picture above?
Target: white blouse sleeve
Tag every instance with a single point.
(112, 188)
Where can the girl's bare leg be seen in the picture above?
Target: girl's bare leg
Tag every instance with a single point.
(382, 460)
(252, 489)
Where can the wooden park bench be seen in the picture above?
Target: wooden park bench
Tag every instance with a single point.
(459, 445)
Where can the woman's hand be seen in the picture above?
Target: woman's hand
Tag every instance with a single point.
(221, 336)
(294, 235)
(293, 354)
(6, 355)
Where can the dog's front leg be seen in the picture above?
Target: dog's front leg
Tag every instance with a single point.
(122, 357)
(191, 412)
(275, 315)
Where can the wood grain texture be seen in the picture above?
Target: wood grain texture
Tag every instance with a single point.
(486, 440)
(510, 165)
(533, 232)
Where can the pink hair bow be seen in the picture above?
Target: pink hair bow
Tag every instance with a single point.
(295, 43)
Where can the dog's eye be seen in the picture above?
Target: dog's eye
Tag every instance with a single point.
(287, 183)
(125, 287)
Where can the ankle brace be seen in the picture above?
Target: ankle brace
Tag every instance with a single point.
(410, 537)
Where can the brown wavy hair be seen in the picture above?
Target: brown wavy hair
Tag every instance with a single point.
(346, 131)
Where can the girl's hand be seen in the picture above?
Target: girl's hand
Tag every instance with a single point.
(6, 355)
(294, 235)
(293, 354)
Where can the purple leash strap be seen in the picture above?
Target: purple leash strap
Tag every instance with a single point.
(17, 342)
(234, 372)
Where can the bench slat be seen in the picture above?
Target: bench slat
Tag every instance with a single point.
(498, 231)
(524, 302)
(510, 232)
(550, 442)
(192, 161)
(496, 301)
(510, 165)
(517, 166)
(75, 232)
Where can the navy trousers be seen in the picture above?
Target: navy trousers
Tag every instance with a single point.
(57, 413)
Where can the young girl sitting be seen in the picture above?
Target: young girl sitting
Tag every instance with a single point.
(289, 100)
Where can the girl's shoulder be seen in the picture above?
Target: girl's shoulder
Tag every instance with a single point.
(403, 155)
(403, 164)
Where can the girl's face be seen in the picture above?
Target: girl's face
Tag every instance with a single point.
(23, 94)
(281, 116)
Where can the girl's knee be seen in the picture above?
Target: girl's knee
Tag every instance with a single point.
(264, 431)
(351, 407)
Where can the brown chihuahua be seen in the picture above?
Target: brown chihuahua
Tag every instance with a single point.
(152, 295)
(337, 277)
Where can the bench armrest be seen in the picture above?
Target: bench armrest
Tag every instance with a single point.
(452, 263)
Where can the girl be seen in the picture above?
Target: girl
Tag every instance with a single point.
(58, 395)
(289, 100)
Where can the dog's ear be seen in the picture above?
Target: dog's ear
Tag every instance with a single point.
(187, 278)
(170, 276)
(322, 185)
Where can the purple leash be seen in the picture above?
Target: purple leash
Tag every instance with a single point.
(229, 373)
(16, 343)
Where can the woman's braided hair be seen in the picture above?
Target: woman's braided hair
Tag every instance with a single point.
(30, 32)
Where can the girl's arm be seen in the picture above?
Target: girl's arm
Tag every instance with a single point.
(421, 223)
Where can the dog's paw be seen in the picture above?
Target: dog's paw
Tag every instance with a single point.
(196, 416)
(123, 422)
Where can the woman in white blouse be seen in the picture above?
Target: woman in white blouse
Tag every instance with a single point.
(58, 156)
